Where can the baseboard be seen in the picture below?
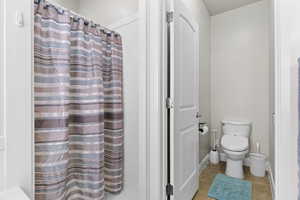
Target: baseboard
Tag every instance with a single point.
(204, 164)
(271, 178)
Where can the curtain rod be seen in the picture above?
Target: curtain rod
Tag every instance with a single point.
(73, 14)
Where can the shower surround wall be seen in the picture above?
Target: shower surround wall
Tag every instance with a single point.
(126, 22)
(79, 133)
(70, 4)
(18, 96)
(240, 69)
(103, 14)
(100, 11)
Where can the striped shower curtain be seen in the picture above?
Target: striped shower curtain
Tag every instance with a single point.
(78, 107)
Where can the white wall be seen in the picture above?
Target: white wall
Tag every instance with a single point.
(240, 69)
(201, 15)
(106, 12)
(2, 163)
(287, 96)
(272, 89)
(292, 139)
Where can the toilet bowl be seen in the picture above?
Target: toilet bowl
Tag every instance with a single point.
(235, 144)
(235, 148)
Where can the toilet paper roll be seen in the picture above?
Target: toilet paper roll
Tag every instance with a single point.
(204, 129)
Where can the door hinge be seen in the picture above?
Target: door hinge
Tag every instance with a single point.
(169, 190)
(169, 103)
(170, 16)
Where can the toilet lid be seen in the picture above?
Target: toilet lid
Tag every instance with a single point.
(234, 143)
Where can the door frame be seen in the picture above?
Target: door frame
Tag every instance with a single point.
(156, 95)
(157, 86)
(285, 183)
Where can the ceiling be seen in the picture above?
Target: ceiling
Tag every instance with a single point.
(219, 6)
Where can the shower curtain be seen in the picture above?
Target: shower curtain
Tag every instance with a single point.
(78, 106)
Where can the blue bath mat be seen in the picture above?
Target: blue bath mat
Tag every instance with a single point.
(227, 188)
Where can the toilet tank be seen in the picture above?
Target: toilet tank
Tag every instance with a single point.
(239, 128)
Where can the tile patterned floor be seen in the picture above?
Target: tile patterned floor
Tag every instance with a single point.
(260, 186)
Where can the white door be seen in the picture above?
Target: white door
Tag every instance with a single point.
(185, 151)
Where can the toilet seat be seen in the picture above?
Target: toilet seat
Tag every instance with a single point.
(235, 143)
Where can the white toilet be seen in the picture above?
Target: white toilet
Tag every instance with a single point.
(235, 144)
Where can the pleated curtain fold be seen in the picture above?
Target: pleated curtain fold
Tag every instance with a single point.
(78, 107)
